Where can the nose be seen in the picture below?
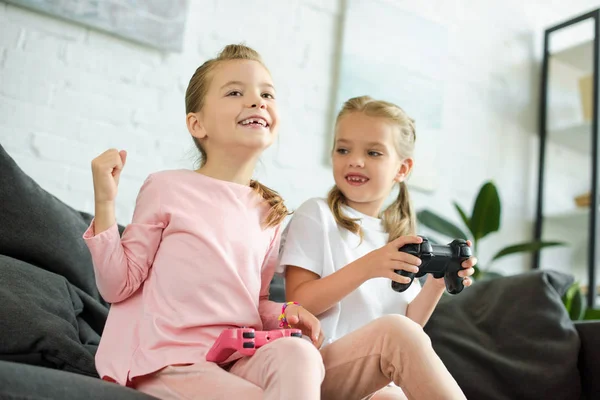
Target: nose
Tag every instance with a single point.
(356, 161)
(261, 104)
(257, 101)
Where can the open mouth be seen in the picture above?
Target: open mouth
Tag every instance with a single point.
(356, 179)
(254, 122)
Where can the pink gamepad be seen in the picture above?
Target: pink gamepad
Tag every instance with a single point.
(245, 341)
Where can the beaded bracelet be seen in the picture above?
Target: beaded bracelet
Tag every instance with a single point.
(282, 320)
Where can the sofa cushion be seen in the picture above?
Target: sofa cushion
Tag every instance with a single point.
(510, 338)
(26, 382)
(45, 321)
(277, 289)
(39, 229)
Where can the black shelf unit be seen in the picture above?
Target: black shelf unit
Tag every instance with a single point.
(593, 221)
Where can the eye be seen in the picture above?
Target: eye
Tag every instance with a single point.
(341, 150)
(268, 95)
(234, 93)
(375, 153)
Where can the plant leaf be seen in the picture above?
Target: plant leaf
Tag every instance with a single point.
(440, 225)
(575, 306)
(567, 298)
(464, 216)
(486, 211)
(591, 314)
(525, 247)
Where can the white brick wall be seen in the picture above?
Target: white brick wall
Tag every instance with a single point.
(67, 93)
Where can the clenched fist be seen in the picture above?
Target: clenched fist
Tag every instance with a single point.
(106, 170)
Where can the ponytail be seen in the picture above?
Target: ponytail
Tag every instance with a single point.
(277, 209)
(335, 200)
(398, 218)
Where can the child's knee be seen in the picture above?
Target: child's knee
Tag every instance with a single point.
(298, 352)
(403, 329)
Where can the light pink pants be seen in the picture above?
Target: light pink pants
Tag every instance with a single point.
(358, 366)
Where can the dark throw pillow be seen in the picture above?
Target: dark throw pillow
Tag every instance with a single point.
(510, 338)
(39, 229)
(44, 320)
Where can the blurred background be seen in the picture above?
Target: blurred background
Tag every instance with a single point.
(80, 76)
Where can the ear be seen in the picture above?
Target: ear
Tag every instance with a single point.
(404, 170)
(195, 125)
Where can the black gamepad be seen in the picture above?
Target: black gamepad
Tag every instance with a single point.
(438, 260)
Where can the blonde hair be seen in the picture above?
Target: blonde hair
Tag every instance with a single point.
(194, 102)
(398, 218)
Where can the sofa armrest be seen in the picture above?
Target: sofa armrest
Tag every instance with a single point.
(589, 358)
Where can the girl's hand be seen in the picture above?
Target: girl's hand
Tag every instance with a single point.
(299, 318)
(466, 272)
(382, 262)
(106, 170)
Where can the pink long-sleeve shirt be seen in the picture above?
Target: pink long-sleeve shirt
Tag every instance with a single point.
(195, 260)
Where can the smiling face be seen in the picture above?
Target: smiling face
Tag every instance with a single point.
(366, 162)
(239, 110)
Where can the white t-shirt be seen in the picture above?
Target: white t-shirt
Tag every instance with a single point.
(313, 241)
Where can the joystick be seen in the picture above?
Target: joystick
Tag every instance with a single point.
(245, 341)
(439, 260)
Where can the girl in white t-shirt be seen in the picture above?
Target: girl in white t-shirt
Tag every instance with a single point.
(339, 255)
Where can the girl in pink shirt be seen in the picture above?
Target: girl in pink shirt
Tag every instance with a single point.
(200, 253)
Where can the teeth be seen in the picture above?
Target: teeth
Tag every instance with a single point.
(258, 121)
(356, 179)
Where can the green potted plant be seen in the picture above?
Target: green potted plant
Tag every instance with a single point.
(483, 220)
(574, 302)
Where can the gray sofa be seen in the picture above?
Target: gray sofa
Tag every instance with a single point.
(504, 339)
